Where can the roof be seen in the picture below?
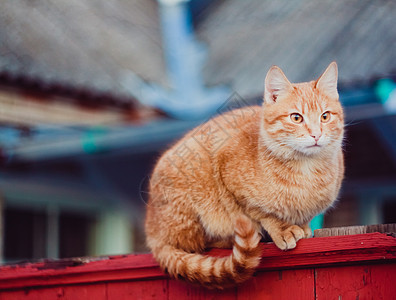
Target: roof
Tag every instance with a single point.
(81, 43)
(96, 44)
(302, 37)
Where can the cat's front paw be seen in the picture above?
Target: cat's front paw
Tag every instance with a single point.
(288, 238)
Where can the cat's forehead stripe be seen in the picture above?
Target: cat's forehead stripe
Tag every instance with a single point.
(304, 106)
(308, 100)
(299, 107)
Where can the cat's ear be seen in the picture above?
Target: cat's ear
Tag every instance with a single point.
(276, 84)
(327, 82)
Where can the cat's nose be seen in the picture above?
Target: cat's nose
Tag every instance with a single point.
(316, 136)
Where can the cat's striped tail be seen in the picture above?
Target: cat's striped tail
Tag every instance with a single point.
(216, 272)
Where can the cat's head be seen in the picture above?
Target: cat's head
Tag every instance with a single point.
(303, 119)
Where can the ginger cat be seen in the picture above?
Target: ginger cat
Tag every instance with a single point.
(272, 167)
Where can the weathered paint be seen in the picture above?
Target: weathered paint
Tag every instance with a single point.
(342, 267)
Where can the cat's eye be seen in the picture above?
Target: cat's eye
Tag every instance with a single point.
(325, 117)
(296, 118)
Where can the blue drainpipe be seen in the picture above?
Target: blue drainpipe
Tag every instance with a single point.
(180, 48)
(188, 98)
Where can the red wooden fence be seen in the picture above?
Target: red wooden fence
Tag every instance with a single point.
(342, 267)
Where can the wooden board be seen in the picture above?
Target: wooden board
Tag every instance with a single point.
(80, 270)
(83, 292)
(356, 282)
(389, 229)
(308, 253)
(137, 290)
(280, 285)
(326, 251)
(351, 267)
(185, 291)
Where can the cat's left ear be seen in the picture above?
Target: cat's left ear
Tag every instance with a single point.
(327, 82)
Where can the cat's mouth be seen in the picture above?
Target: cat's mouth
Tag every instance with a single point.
(314, 146)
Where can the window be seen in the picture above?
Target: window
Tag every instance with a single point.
(389, 210)
(24, 234)
(34, 234)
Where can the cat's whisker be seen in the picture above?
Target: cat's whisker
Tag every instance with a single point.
(353, 122)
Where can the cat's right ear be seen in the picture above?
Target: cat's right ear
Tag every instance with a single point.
(276, 84)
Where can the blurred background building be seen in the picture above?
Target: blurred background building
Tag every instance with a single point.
(91, 92)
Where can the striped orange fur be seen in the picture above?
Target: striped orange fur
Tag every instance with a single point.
(215, 272)
(272, 167)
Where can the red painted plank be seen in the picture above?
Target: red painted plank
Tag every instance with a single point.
(286, 284)
(83, 292)
(136, 290)
(31, 294)
(183, 290)
(123, 267)
(326, 251)
(309, 253)
(357, 282)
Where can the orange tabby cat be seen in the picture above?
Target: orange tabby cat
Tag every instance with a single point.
(273, 167)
